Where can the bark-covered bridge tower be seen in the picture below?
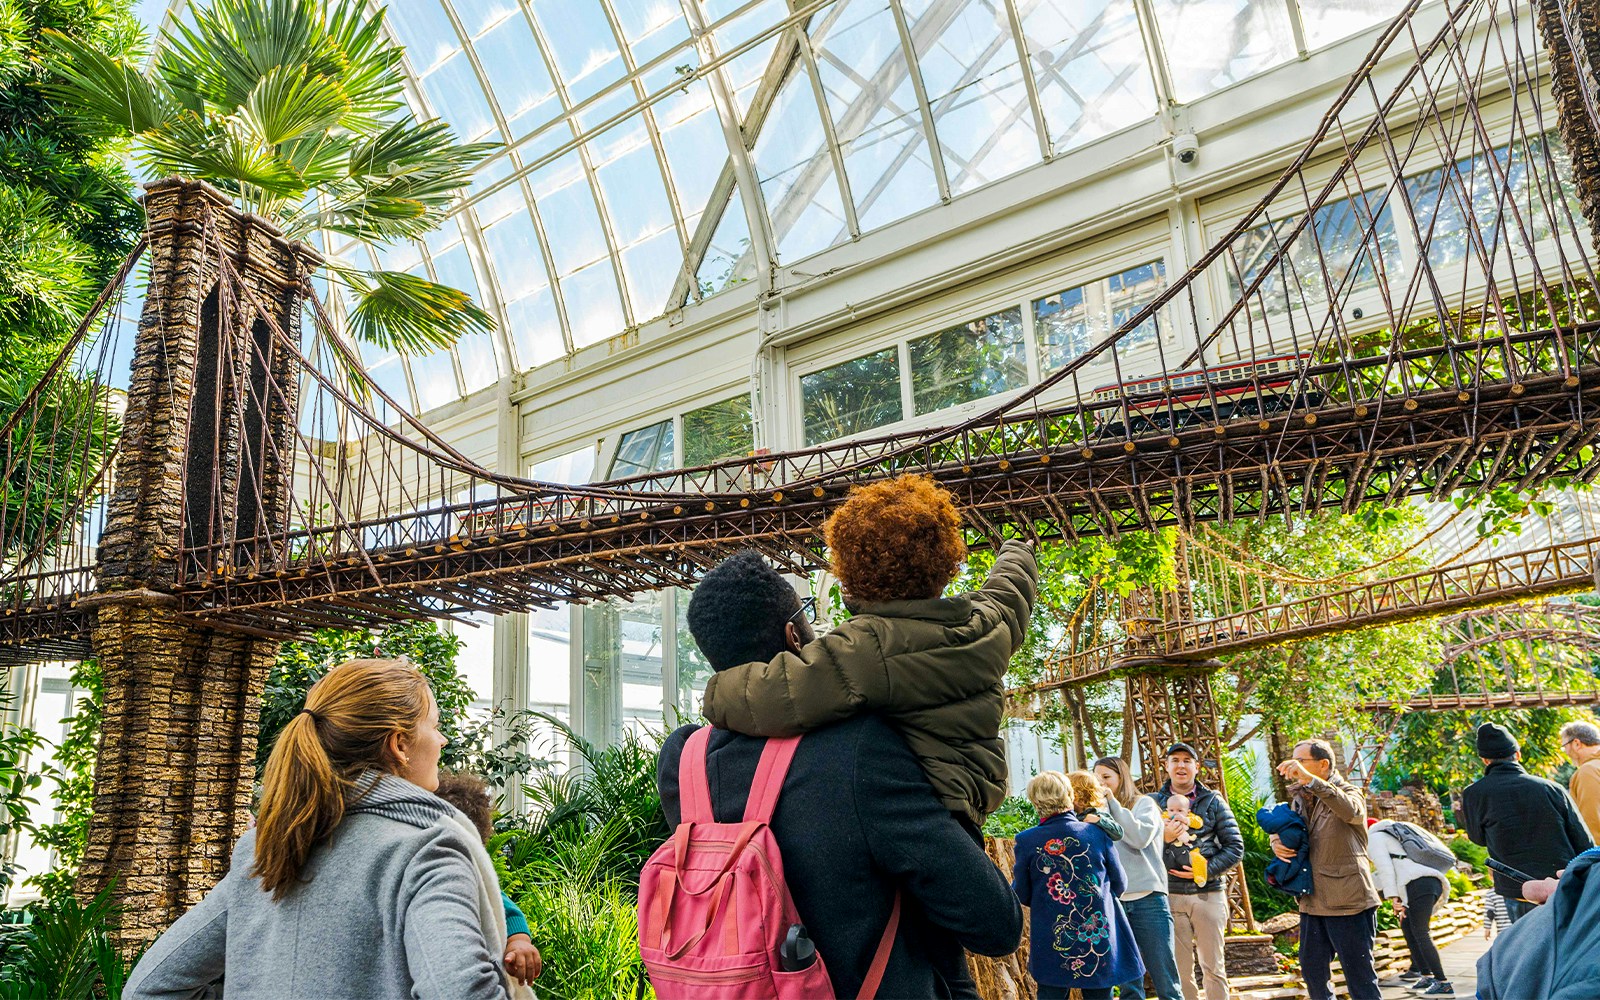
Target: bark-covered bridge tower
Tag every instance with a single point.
(212, 394)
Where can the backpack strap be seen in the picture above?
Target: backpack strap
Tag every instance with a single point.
(776, 757)
(694, 791)
(880, 958)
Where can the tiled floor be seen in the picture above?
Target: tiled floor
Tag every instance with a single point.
(1460, 964)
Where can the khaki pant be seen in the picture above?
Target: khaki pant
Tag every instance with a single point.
(1198, 922)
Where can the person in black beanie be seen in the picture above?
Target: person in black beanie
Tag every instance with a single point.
(1526, 822)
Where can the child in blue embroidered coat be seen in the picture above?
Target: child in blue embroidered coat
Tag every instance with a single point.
(1069, 875)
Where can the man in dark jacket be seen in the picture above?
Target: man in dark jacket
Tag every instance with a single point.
(1199, 910)
(856, 819)
(1526, 822)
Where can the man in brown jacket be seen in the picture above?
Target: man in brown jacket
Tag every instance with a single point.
(1339, 917)
(1580, 741)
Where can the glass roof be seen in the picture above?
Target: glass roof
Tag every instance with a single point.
(660, 151)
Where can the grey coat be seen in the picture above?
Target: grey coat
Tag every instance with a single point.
(390, 910)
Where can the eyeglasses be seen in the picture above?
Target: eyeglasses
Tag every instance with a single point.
(808, 608)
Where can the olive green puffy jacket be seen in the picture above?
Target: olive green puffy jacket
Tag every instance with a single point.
(933, 668)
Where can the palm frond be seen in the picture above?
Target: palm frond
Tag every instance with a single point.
(103, 88)
(402, 312)
(290, 102)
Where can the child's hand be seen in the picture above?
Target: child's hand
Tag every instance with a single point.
(1092, 818)
(522, 959)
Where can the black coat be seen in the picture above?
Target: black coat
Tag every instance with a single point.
(1218, 839)
(857, 818)
(1526, 822)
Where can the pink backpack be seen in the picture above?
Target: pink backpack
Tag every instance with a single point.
(713, 906)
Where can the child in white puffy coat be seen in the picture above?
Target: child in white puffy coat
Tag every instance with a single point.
(1416, 889)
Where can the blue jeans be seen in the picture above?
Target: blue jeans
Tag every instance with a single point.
(1151, 920)
(1516, 909)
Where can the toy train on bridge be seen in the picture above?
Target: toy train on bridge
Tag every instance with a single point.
(1245, 388)
(1171, 402)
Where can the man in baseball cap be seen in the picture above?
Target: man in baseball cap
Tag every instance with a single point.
(1199, 909)
(1525, 821)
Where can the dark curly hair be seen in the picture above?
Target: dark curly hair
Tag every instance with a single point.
(738, 612)
(471, 795)
(895, 541)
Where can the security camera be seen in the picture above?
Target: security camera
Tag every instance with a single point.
(1186, 147)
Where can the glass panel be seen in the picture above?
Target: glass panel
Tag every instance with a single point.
(1071, 321)
(648, 449)
(746, 69)
(968, 362)
(796, 173)
(1303, 277)
(728, 260)
(630, 182)
(384, 368)
(1213, 43)
(575, 466)
(434, 375)
(475, 660)
(571, 220)
(512, 247)
(974, 85)
(651, 27)
(691, 137)
(652, 267)
(494, 207)
(479, 369)
(1327, 21)
(639, 634)
(457, 97)
(1090, 66)
(426, 32)
(874, 107)
(721, 430)
(597, 307)
(585, 49)
(853, 397)
(535, 328)
(517, 75)
(477, 16)
(454, 268)
(693, 667)
(1498, 196)
(550, 671)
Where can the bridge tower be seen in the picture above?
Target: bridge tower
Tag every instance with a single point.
(209, 395)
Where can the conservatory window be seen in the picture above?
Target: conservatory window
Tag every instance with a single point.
(852, 397)
(721, 430)
(1069, 322)
(1305, 277)
(968, 362)
(642, 451)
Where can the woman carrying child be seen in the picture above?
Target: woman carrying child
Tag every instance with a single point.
(1144, 896)
(1068, 873)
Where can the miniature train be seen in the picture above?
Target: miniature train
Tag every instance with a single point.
(1239, 388)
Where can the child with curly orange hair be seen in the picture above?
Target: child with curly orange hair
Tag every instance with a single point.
(1089, 802)
(932, 665)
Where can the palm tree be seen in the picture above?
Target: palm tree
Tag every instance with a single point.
(295, 108)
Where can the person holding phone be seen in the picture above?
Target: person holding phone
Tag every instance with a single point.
(1526, 822)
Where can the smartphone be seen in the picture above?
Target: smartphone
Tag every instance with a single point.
(1510, 872)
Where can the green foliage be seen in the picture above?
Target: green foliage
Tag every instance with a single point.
(1014, 815)
(582, 915)
(1472, 854)
(610, 788)
(294, 107)
(1460, 885)
(425, 644)
(574, 869)
(65, 953)
(72, 768)
(1299, 688)
(1438, 749)
(17, 783)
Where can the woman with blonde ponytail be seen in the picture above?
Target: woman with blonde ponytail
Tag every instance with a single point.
(357, 881)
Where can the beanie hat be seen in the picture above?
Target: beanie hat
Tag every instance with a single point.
(1496, 742)
(1371, 821)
